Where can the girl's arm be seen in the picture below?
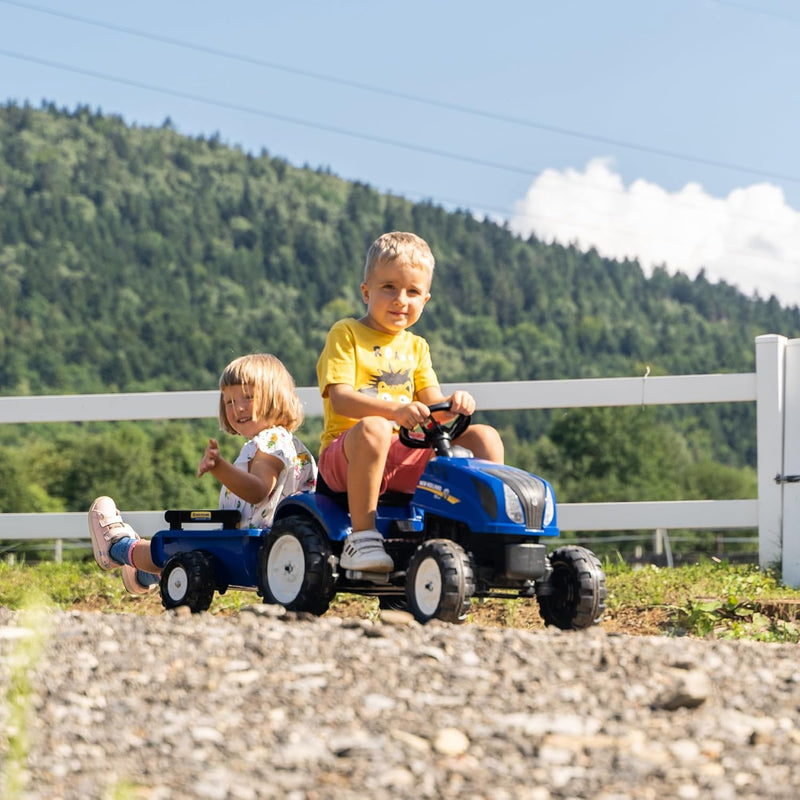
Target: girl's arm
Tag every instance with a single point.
(252, 486)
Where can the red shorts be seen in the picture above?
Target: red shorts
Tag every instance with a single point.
(404, 465)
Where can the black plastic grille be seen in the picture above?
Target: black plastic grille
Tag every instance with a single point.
(528, 488)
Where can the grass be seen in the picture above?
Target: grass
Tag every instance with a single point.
(17, 692)
(706, 599)
(64, 586)
(710, 599)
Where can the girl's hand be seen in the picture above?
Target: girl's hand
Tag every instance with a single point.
(209, 459)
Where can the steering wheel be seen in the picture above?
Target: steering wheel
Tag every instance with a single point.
(435, 434)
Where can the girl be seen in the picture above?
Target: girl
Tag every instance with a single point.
(257, 401)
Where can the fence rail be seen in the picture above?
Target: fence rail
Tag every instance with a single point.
(765, 387)
(490, 396)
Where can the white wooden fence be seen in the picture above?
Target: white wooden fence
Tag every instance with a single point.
(774, 387)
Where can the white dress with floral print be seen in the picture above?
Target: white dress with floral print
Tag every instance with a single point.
(298, 475)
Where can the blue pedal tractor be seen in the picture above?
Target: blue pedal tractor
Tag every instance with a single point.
(472, 528)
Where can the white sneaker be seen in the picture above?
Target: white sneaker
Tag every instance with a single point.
(364, 551)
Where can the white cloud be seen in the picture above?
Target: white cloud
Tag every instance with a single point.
(750, 239)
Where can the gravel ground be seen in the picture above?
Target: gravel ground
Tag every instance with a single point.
(263, 704)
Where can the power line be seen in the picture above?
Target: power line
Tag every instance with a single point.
(765, 12)
(462, 109)
(340, 131)
(272, 115)
(305, 123)
(531, 172)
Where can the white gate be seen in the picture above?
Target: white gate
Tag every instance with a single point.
(789, 478)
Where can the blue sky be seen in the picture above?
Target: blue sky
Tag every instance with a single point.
(665, 130)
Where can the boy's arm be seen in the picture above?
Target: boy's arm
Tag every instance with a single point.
(461, 402)
(347, 402)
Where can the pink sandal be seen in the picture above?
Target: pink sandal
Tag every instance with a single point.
(106, 526)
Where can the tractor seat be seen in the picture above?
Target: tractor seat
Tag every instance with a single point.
(389, 498)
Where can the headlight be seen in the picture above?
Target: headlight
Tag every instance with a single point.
(513, 505)
(549, 507)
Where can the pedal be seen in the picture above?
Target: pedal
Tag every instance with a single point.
(369, 577)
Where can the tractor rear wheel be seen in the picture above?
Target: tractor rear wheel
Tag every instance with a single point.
(295, 566)
(188, 580)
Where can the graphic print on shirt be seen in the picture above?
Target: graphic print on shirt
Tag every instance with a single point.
(391, 384)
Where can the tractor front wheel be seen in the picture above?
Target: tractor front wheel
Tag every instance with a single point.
(440, 582)
(575, 594)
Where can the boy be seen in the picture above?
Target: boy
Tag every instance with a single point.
(376, 376)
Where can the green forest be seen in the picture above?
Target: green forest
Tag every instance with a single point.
(140, 259)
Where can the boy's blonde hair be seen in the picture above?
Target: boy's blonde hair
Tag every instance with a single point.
(274, 396)
(407, 247)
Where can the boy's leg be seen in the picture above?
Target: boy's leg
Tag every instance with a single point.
(484, 441)
(366, 446)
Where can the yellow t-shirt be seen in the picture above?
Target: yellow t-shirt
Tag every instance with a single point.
(392, 366)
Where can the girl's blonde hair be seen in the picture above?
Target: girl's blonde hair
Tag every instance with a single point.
(274, 396)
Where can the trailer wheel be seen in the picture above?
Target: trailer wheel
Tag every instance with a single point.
(188, 580)
(295, 566)
(440, 582)
(575, 596)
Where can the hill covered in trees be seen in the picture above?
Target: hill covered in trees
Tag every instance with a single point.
(138, 259)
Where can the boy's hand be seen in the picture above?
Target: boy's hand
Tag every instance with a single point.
(409, 415)
(462, 402)
(209, 459)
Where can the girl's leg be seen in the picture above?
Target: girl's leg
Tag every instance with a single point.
(139, 573)
(107, 528)
(137, 581)
(142, 559)
(114, 543)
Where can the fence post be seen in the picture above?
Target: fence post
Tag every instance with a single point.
(769, 438)
(790, 482)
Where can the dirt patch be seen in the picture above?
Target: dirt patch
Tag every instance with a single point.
(523, 614)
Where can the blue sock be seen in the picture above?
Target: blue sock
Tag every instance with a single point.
(146, 578)
(120, 551)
